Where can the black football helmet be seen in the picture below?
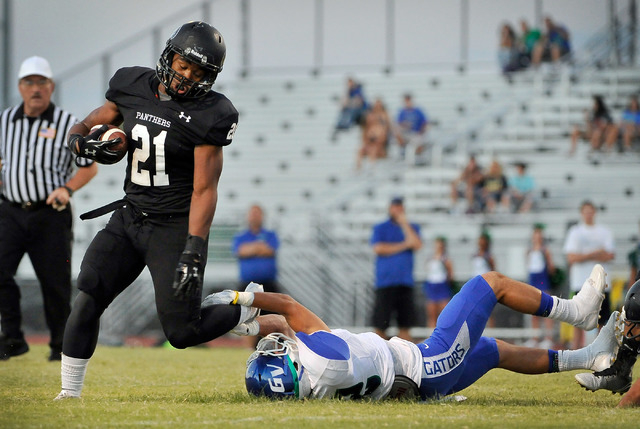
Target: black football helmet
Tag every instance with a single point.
(631, 308)
(199, 43)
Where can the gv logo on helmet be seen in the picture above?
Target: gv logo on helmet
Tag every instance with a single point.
(276, 384)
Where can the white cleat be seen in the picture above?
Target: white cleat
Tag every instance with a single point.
(615, 383)
(65, 394)
(602, 351)
(590, 297)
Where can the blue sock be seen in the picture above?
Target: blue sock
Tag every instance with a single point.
(546, 304)
(553, 361)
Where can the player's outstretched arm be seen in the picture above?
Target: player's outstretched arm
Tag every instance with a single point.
(270, 323)
(299, 317)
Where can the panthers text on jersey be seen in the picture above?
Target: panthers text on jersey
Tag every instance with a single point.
(162, 136)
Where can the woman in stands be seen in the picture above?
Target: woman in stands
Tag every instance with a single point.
(598, 128)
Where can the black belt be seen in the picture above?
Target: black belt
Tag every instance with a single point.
(92, 214)
(29, 206)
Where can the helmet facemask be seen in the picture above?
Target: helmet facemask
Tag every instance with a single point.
(198, 43)
(278, 351)
(168, 75)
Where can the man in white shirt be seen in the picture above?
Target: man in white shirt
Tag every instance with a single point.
(587, 243)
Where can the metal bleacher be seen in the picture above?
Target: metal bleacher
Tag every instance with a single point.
(284, 157)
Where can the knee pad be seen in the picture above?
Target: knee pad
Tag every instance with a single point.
(89, 283)
(179, 333)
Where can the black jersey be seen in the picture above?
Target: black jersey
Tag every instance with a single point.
(162, 136)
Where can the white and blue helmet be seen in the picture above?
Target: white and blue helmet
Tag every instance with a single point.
(274, 369)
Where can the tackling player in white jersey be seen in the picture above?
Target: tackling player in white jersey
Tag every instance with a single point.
(308, 359)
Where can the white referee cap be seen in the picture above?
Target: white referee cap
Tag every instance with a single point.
(35, 66)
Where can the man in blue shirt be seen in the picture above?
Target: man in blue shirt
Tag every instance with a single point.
(411, 128)
(394, 242)
(256, 249)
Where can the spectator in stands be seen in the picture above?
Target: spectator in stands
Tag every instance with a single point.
(411, 128)
(598, 126)
(540, 267)
(527, 41)
(468, 184)
(554, 44)
(629, 126)
(394, 242)
(521, 187)
(494, 188)
(588, 243)
(438, 288)
(375, 134)
(256, 249)
(508, 50)
(354, 106)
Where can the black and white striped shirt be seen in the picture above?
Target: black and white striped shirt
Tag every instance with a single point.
(34, 154)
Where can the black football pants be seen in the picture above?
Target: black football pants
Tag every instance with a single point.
(116, 256)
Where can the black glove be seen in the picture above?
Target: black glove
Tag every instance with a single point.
(187, 282)
(91, 147)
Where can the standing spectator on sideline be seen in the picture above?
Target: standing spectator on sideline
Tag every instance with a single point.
(354, 106)
(171, 197)
(520, 193)
(411, 128)
(553, 45)
(482, 261)
(394, 242)
(468, 184)
(540, 267)
(38, 179)
(588, 243)
(437, 288)
(256, 249)
(599, 127)
(376, 132)
(634, 263)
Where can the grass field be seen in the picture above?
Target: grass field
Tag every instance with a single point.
(156, 387)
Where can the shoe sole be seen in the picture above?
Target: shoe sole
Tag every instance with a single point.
(621, 391)
(613, 392)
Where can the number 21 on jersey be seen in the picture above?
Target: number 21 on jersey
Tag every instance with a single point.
(140, 176)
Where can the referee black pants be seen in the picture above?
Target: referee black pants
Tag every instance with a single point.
(45, 235)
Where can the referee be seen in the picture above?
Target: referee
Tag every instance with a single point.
(38, 180)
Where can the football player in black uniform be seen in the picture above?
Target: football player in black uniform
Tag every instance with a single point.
(176, 127)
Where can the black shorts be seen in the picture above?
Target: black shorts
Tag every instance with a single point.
(129, 242)
(394, 301)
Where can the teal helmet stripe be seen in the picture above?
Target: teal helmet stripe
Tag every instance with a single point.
(294, 373)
